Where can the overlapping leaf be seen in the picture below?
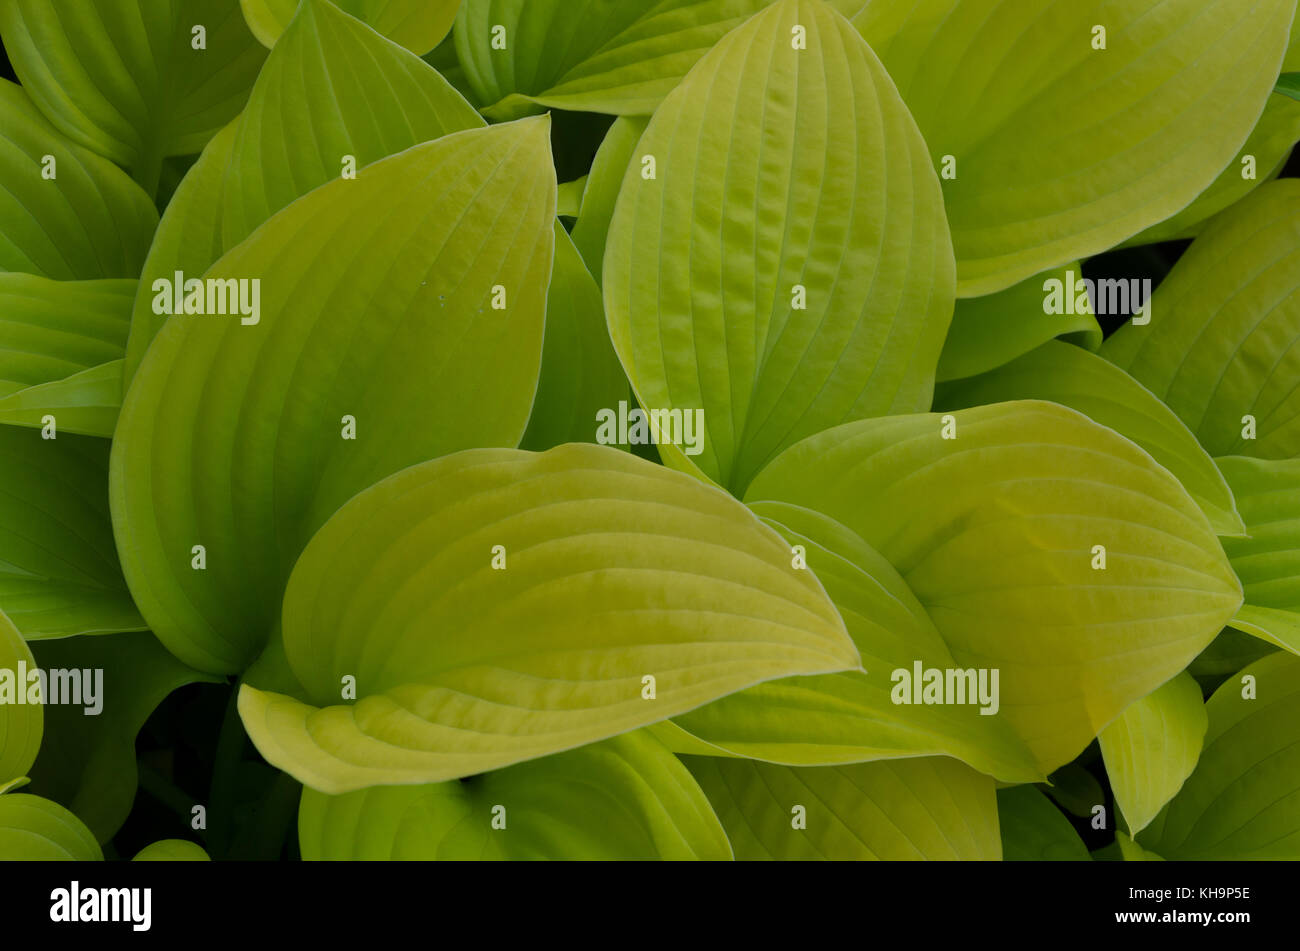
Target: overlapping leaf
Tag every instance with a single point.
(587, 55)
(59, 571)
(931, 808)
(759, 275)
(608, 169)
(995, 532)
(88, 221)
(580, 372)
(1063, 149)
(416, 24)
(624, 798)
(376, 305)
(1152, 748)
(61, 345)
(1073, 377)
(1268, 561)
(1224, 339)
(616, 570)
(1243, 799)
(1259, 160)
(851, 717)
(33, 829)
(21, 724)
(988, 332)
(308, 110)
(1033, 830)
(124, 77)
(87, 763)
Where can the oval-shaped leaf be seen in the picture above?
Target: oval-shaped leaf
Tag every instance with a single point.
(988, 332)
(623, 593)
(1152, 748)
(1223, 346)
(172, 850)
(1068, 375)
(377, 308)
(331, 89)
(350, 92)
(134, 80)
(87, 221)
(854, 716)
(756, 279)
(188, 241)
(608, 169)
(623, 798)
(33, 829)
(1243, 799)
(903, 810)
(996, 532)
(21, 724)
(1268, 561)
(87, 402)
(419, 25)
(1259, 160)
(580, 373)
(587, 55)
(1034, 830)
(1074, 124)
(51, 334)
(59, 573)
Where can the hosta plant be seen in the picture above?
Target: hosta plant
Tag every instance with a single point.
(682, 429)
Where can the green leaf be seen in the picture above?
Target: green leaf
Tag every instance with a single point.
(1243, 799)
(1288, 84)
(1063, 150)
(1224, 339)
(353, 93)
(1268, 561)
(21, 725)
(779, 169)
(1227, 654)
(33, 829)
(418, 25)
(587, 55)
(988, 332)
(570, 197)
(88, 221)
(1034, 830)
(376, 305)
(615, 570)
(580, 372)
(87, 402)
(1068, 375)
(188, 241)
(123, 77)
(603, 184)
(1152, 747)
(88, 761)
(994, 531)
(849, 717)
(1075, 790)
(1267, 149)
(172, 850)
(59, 573)
(932, 808)
(1132, 852)
(330, 88)
(61, 344)
(624, 798)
